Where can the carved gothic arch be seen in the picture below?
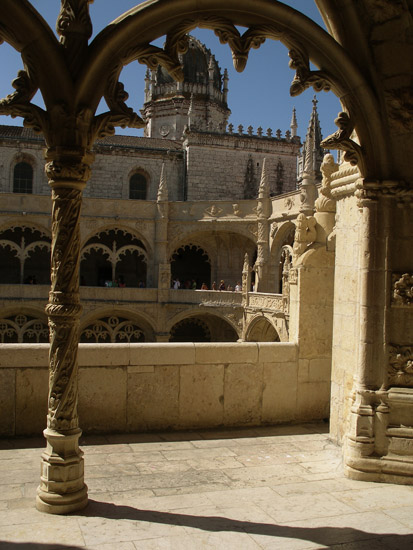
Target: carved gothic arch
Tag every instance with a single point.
(118, 227)
(267, 329)
(117, 45)
(19, 224)
(141, 319)
(200, 312)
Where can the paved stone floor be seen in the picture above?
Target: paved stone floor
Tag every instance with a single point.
(251, 489)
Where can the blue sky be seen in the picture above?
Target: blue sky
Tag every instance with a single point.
(258, 97)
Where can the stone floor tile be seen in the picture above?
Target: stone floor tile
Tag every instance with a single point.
(210, 443)
(192, 453)
(247, 496)
(264, 475)
(9, 492)
(306, 506)
(109, 546)
(162, 446)
(163, 466)
(106, 449)
(134, 457)
(66, 532)
(110, 470)
(189, 489)
(163, 503)
(124, 524)
(321, 467)
(133, 438)
(214, 463)
(377, 498)
(404, 515)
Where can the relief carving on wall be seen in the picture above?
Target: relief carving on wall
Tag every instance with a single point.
(400, 370)
(402, 289)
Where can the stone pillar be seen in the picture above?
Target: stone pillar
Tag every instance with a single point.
(360, 438)
(161, 240)
(62, 489)
(263, 212)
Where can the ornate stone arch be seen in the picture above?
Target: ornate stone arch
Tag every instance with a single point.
(200, 313)
(27, 246)
(282, 235)
(112, 253)
(23, 325)
(108, 326)
(261, 329)
(304, 39)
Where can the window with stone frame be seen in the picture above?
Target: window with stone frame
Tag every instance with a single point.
(138, 186)
(23, 178)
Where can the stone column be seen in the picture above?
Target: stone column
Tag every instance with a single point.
(361, 433)
(263, 212)
(62, 489)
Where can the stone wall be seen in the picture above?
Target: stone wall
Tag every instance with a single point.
(139, 387)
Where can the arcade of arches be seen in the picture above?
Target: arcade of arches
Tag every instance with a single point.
(327, 249)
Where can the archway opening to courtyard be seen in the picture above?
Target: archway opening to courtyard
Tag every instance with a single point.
(189, 264)
(261, 330)
(24, 256)
(203, 328)
(113, 257)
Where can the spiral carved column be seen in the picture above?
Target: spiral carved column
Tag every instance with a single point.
(62, 488)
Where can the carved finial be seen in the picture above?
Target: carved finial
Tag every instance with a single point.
(246, 266)
(294, 124)
(74, 27)
(163, 187)
(263, 192)
(191, 111)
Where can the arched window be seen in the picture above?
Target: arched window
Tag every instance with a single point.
(137, 187)
(23, 178)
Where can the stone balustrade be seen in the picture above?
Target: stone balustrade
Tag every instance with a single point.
(139, 387)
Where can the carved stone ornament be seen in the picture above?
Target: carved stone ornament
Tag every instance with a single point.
(19, 104)
(213, 211)
(288, 203)
(402, 289)
(325, 201)
(400, 369)
(342, 140)
(227, 33)
(293, 276)
(305, 234)
(304, 77)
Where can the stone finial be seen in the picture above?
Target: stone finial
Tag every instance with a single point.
(269, 132)
(162, 195)
(250, 130)
(191, 112)
(288, 135)
(230, 128)
(240, 129)
(278, 134)
(294, 124)
(259, 131)
(263, 191)
(225, 86)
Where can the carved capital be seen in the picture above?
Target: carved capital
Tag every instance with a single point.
(305, 234)
(400, 371)
(68, 167)
(325, 201)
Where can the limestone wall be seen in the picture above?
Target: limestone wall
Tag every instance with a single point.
(127, 388)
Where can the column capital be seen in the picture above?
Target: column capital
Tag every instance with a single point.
(68, 167)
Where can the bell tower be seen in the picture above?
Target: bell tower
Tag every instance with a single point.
(199, 102)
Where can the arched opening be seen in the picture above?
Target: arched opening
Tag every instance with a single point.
(262, 330)
(23, 178)
(138, 186)
(113, 329)
(190, 264)
(113, 257)
(203, 328)
(24, 328)
(24, 256)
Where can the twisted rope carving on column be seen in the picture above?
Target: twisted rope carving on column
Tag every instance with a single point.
(64, 309)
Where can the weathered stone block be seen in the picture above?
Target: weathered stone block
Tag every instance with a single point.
(243, 387)
(280, 392)
(32, 386)
(201, 397)
(102, 399)
(7, 401)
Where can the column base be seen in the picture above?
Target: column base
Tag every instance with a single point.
(62, 489)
